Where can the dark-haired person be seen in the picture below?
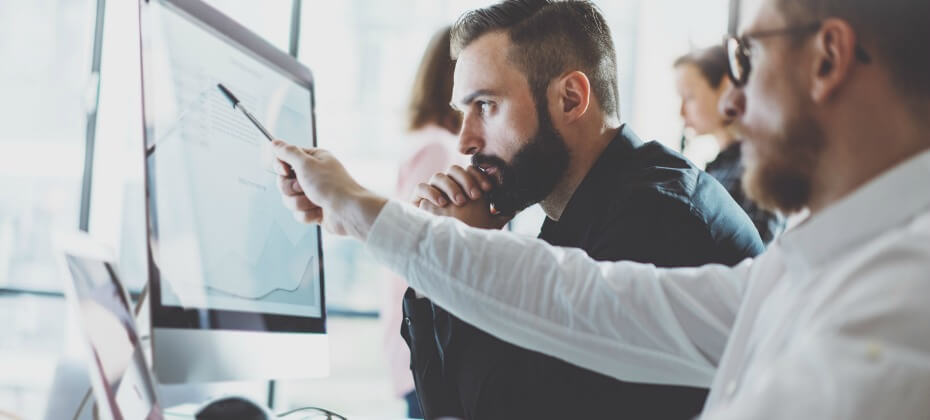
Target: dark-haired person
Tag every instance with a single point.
(432, 127)
(536, 85)
(832, 98)
(701, 80)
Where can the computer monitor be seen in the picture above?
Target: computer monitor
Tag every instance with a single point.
(236, 283)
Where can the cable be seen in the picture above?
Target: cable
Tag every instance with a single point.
(329, 414)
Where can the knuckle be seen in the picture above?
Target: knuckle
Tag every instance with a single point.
(421, 191)
(288, 189)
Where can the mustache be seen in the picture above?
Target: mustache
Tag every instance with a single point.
(729, 121)
(478, 160)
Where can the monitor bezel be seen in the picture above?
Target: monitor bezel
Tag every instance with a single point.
(214, 21)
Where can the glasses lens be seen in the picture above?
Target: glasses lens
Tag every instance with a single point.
(738, 61)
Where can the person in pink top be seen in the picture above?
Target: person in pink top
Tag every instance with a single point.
(433, 133)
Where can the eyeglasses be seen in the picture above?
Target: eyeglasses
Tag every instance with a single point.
(738, 51)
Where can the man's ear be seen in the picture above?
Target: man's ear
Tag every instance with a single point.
(572, 96)
(835, 54)
(725, 110)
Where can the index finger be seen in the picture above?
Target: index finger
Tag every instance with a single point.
(468, 180)
(482, 177)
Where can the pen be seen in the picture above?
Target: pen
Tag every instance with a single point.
(238, 105)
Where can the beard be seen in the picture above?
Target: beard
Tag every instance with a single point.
(535, 169)
(779, 173)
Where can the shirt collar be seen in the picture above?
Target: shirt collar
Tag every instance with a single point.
(886, 201)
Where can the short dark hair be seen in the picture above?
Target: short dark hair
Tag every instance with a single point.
(711, 62)
(432, 87)
(897, 32)
(548, 38)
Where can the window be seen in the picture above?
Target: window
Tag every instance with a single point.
(661, 37)
(46, 51)
(46, 48)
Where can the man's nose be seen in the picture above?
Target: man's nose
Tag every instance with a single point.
(470, 139)
(732, 103)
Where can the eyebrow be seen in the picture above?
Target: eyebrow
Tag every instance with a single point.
(471, 98)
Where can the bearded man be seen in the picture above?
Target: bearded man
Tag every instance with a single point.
(536, 84)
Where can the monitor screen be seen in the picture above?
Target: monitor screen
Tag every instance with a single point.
(224, 252)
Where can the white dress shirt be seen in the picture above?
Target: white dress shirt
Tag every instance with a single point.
(832, 322)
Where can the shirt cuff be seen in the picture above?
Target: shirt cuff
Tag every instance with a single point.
(396, 234)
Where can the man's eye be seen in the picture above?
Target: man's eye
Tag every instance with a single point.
(484, 108)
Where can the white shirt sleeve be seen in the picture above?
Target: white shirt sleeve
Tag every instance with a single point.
(632, 321)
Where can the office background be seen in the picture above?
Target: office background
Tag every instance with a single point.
(70, 153)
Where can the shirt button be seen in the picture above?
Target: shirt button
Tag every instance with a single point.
(874, 351)
(730, 389)
(407, 320)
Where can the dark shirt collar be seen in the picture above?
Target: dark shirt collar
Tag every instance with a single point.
(589, 197)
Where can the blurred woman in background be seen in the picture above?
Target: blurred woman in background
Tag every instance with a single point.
(701, 79)
(433, 128)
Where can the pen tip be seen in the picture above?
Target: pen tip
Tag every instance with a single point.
(229, 96)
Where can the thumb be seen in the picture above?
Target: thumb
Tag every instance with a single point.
(500, 217)
(500, 220)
